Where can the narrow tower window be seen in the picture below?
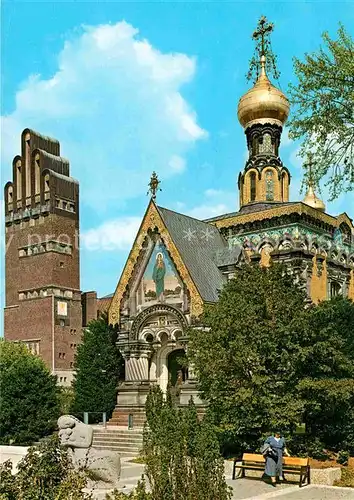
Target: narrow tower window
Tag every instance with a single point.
(28, 165)
(283, 187)
(253, 186)
(46, 183)
(37, 175)
(269, 186)
(267, 144)
(10, 195)
(19, 181)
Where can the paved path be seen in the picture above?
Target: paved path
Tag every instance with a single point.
(247, 489)
(251, 489)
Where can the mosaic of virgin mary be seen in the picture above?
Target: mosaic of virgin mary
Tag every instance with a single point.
(158, 276)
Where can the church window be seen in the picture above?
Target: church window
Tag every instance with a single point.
(36, 176)
(334, 289)
(149, 338)
(283, 187)
(269, 180)
(253, 186)
(9, 195)
(266, 145)
(28, 166)
(19, 182)
(46, 183)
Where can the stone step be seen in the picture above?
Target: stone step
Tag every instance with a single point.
(129, 452)
(123, 453)
(116, 447)
(117, 442)
(114, 422)
(126, 442)
(122, 444)
(111, 432)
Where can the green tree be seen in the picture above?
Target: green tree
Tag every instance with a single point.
(29, 396)
(327, 364)
(265, 360)
(98, 366)
(323, 111)
(245, 357)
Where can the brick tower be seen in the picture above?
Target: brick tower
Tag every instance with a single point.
(43, 298)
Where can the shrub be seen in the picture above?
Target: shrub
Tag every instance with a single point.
(304, 445)
(181, 453)
(45, 473)
(343, 457)
(139, 493)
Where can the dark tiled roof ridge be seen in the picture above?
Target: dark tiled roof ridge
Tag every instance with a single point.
(233, 214)
(184, 215)
(109, 296)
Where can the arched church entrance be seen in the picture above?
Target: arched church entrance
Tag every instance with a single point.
(176, 367)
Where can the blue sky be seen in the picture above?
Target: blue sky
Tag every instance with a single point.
(131, 87)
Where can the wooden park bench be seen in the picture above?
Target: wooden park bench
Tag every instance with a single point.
(291, 465)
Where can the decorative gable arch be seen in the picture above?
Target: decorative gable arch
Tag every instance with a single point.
(153, 221)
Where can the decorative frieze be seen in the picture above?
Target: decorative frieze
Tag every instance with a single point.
(39, 293)
(45, 246)
(27, 213)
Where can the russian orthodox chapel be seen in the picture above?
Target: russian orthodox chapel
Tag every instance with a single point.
(178, 264)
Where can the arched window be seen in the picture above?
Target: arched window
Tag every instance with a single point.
(10, 195)
(283, 187)
(252, 186)
(28, 164)
(36, 175)
(335, 289)
(269, 180)
(19, 180)
(266, 145)
(46, 183)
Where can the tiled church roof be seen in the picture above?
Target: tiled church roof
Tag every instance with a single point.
(199, 243)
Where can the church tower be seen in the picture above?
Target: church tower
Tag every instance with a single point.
(43, 298)
(262, 112)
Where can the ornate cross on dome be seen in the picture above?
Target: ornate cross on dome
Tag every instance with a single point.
(311, 198)
(154, 185)
(263, 55)
(309, 172)
(263, 28)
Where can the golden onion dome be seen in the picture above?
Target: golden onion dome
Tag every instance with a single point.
(313, 201)
(263, 103)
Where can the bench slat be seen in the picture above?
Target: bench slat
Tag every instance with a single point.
(253, 457)
(297, 461)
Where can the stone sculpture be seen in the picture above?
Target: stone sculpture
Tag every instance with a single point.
(103, 466)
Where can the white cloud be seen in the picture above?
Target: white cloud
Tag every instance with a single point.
(177, 164)
(115, 104)
(216, 202)
(117, 234)
(206, 211)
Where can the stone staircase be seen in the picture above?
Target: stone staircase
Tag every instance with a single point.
(126, 442)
